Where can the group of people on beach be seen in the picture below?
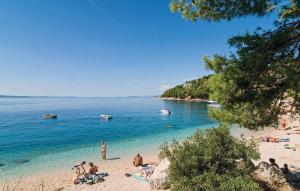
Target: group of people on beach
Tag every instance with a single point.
(137, 161)
(92, 175)
(285, 170)
(89, 176)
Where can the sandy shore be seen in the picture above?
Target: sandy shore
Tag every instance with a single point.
(117, 181)
(280, 153)
(62, 180)
(185, 99)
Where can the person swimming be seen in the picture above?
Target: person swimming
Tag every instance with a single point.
(138, 160)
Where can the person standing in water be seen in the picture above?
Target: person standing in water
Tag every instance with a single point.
(104, 149)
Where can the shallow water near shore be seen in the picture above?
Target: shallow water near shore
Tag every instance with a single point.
(29, 144)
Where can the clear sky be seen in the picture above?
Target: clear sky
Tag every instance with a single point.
(105, 47)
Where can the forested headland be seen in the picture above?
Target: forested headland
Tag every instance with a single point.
(194, 89)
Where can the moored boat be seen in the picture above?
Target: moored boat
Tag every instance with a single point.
(215, 105)
(211, 102)
(165, 112)
(49, 116)
(105, 116)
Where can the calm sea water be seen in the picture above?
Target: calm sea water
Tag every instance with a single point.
(29, 143)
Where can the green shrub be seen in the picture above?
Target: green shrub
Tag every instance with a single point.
(212, 160)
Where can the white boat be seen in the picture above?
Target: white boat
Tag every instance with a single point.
(165, 112)
(211, 102)
(215, 105)
(105, 116)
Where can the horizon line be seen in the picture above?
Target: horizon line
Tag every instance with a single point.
(35, 96)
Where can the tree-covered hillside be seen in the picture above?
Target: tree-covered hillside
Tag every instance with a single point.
(252, 81)
(191, 89)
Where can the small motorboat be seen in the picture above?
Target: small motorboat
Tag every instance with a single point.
(212, 102)
(165, 112)
(49, 116)
(102, 116)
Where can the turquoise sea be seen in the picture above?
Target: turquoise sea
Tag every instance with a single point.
(30, 143)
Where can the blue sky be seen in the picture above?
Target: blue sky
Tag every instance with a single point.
(105, 47)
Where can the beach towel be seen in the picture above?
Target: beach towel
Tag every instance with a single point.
(285, 140)
(139, 177)
(290, 147)
(102, 174)
(147, 169)
(93, 179)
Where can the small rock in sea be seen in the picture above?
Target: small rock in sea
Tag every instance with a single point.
(21, 161)
(1, 164)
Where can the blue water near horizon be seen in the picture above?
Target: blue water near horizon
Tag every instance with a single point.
(137, 126)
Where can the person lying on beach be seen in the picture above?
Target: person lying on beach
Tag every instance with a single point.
(269, 139)
(93, 169)
(147, 172)
(295, 132)
(138, 160)
(273, 163)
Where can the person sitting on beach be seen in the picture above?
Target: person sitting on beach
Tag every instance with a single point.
(285, 170)
(138, 160)
(76, 179)
(93, 169)
(79, 174)
(273, 163)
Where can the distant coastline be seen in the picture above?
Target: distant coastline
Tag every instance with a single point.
(13, 96)
(187, 99)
